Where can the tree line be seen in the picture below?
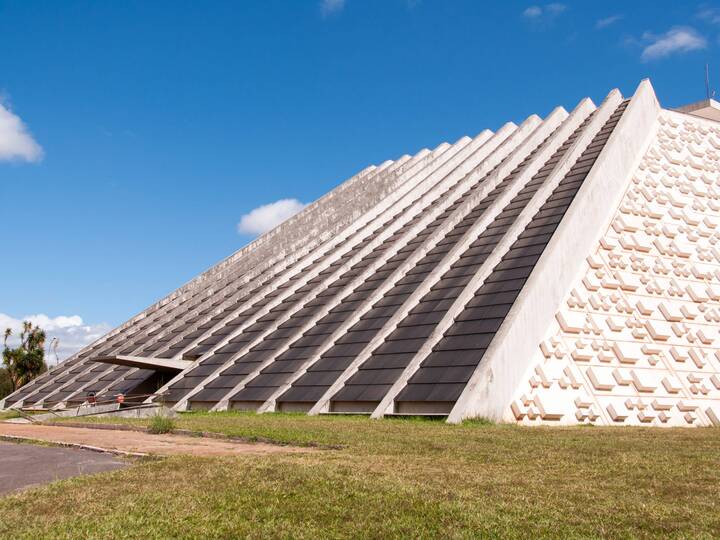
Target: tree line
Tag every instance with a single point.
(21, 364)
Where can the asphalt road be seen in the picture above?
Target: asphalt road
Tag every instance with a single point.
(26, 465)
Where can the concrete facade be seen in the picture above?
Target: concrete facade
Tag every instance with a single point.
(561, 271)
(635, 341)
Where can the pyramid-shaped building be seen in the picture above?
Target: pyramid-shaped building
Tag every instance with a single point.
(561, 271)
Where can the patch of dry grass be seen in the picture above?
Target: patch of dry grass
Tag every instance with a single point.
(396, 478)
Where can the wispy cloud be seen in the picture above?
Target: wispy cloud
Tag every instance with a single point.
(545, 12)
(330, 7)
(71, 333)
(607, 21)
(16, 143)
(555, 8)
(265, 217)
(709, 14)
(679, 39)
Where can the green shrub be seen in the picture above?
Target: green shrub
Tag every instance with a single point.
(161, 424)
(6, 384)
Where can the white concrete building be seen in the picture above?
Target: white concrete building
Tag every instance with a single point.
(563, 271)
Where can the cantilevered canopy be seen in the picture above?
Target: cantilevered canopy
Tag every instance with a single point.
(157, 364)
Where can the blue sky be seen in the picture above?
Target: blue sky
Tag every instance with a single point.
(134, 136)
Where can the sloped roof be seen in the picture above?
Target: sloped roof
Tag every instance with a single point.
(382, 297)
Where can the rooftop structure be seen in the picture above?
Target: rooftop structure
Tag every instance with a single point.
(560, 271)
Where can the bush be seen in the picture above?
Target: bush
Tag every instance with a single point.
(161, 424)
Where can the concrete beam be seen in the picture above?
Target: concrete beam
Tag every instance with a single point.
(578, 116)
(529, 143)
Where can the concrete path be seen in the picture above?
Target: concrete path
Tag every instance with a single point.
(141, 442)
(26, 465)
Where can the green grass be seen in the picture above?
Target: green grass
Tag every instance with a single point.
(395, 478)
(7, 415)
(161, 424)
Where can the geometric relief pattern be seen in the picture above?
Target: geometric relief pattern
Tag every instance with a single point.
(636, 341)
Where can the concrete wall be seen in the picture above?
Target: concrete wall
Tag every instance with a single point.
(635, 340)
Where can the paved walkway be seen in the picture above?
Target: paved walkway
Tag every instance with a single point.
(141, 442)
(26, 465)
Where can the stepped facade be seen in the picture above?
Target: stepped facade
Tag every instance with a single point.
(561, 271)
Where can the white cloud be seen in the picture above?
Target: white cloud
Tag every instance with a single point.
(676, 40)
(70, 331)
(329, 7)
(607, 21)
(545, 13)
(15, 140)
(265, 217)
(555, 8)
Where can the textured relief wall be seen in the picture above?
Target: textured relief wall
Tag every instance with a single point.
(637, 342)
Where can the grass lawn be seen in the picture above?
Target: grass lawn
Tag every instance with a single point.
(396, 478)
